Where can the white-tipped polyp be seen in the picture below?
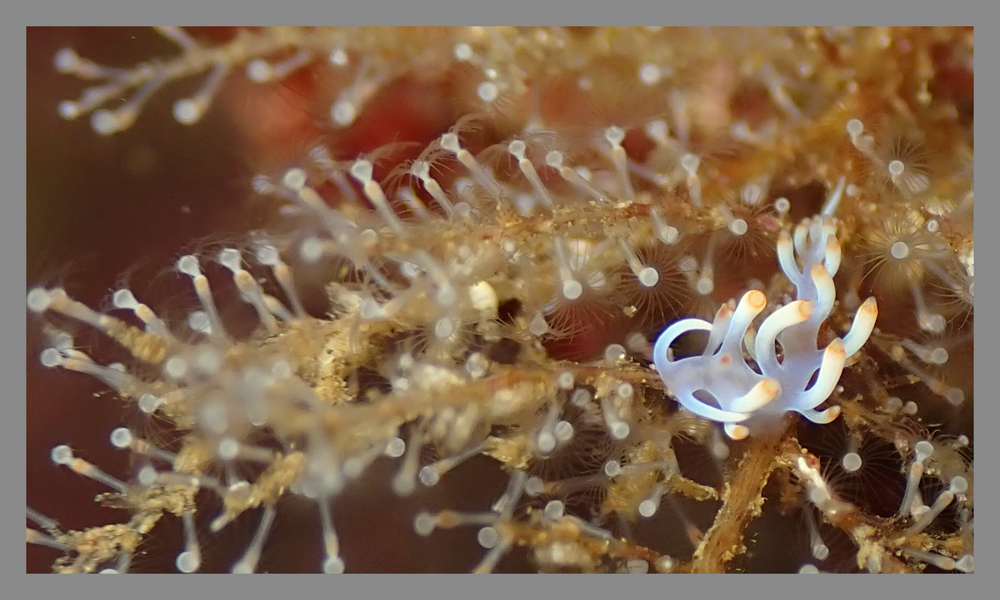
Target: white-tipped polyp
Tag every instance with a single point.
(69, 110)
(198, 321)
(421, 169)
(124, 298)
(121, 438)
(658, 131)
(333, 565)
(855, 127)
(554, 510)
(106, 122)
(546, 442)
(705, 285)
(572, 289)
(343, 112)
(563, 431)
(66, 60)
(188, 265)
(39, 300)
(175, 367)
(619, 430)
(554, 159)
(339, 57)
(188, 562)
(923, 450)
(690, 163)
(50, 357)
(259, 71)
(517, 149)
(243, 567)
(267, 255)
(647, 508)
(148, 403)
(362, 171)
(429, 476)
(230, 258)
(931, 322)
(424, 524)
(966, 564)
(820, 552)
(62, 455)
(188, 111)
(294, 179)
(615, 135)
(648, 276)
(449, 142)
(851, 462)
(738, 227)
(617, 426)
(488, 537)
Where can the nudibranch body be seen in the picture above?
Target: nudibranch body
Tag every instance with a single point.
(721, 386)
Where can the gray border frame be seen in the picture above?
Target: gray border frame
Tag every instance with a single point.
(422, 12)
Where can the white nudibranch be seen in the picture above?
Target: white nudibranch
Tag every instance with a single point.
(720, 386)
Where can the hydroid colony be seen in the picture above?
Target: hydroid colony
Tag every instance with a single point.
(521, 295)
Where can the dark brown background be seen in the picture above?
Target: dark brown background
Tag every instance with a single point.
(96, 207)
